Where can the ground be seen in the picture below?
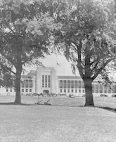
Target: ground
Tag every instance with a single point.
(55, 123)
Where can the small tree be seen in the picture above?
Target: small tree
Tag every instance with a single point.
(87, 39)
(24, 35)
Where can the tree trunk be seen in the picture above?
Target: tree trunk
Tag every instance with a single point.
(17, 87)
(18, 76)
(88, 92)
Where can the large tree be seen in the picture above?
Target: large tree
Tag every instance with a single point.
(24, 35)
(87, 39)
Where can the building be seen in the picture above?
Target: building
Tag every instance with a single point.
(45, 80)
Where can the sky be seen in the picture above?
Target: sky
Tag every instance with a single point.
(61, 65)
(63, 68)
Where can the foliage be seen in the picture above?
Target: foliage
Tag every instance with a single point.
(8, 80)
(25, 27)
(86, 34)
(25, 31)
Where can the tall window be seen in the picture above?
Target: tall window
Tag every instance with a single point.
(45, 80)
(61, 84)
(64, 83)
(6, 89)
(96, 88)
(68, 83)
(75, 83)
(82, 84)
(79, 84)
(101, 88)
(42, 80)
(48, 80)
(72, 83)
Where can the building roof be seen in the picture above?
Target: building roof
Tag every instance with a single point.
(46, 68)
(69, 77)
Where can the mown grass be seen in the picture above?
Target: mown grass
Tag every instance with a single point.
(62, 100)
(36, 123)
(60, 122)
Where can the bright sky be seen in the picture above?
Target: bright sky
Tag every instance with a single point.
(64, 67)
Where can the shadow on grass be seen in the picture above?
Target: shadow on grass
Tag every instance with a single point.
(108, 108)
(39, 104)
(23, 104)
(12, 103)
(48, 104)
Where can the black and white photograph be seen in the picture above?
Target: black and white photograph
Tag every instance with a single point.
(57, 70)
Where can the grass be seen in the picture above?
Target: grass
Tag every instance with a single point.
(63, 100)
(63, 121)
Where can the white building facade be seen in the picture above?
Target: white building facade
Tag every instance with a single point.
(45, 81)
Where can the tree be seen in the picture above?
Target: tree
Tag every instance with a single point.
(6, 77)
(24, 35)
(87, 38)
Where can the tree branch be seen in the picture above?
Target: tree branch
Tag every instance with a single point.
(79, 65)
(7, 68)
(10, 60)
(99, 70)
(80, 68)
(95, 66)
(8, 26)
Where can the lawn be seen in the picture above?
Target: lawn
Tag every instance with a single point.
(63, 100)
(56, 123)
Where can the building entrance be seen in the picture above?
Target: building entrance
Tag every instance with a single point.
(45, 92)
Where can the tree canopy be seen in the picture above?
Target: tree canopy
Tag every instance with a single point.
(25, 31)
(87, 35)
